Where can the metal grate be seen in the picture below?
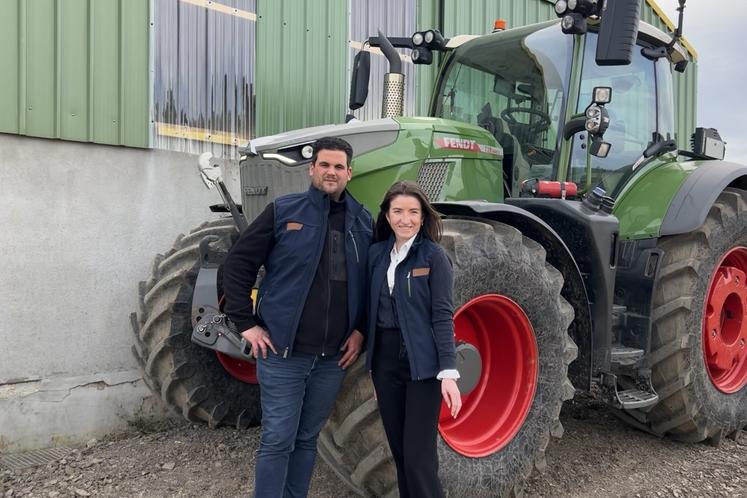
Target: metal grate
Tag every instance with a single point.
(17, 461)
(431, 178)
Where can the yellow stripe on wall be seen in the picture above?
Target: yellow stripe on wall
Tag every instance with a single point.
(225, 9)
(200, 134)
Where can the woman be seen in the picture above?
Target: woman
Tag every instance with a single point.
(411, 353)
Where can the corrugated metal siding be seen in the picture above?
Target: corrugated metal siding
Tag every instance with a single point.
(685, 86)
(394, 18)
(476, 16)
(302, 54)
(79, 70)
(204, 75)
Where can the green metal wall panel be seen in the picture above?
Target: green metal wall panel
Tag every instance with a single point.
(301, 76)
(79, 70)
(9, 80)
(74, 73)
(428, 17)
(40, 69)
(105, 71)
(134, 78)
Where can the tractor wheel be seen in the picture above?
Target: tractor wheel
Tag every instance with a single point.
(200, 384)
(698, 350)
(512, 324)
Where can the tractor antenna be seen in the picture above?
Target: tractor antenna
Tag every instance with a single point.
(659, 52)
(678, 31)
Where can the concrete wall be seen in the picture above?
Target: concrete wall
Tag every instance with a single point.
(79, 227)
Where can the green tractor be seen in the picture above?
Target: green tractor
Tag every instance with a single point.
(589, 252)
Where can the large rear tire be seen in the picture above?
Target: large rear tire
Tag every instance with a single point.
(190, 379)
(508, 300)
(699, 356)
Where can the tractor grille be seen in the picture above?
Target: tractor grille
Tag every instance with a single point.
(263, 181)
(432, 177)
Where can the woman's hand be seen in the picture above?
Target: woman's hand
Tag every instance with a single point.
(452, 398)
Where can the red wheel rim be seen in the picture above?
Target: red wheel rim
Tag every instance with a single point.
(724, 323)
(494, 411)
(245, 371)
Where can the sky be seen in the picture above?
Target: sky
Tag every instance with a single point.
(715, 28)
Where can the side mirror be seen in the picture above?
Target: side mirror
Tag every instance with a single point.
(618, 32)
(210, 173)
(359, 80)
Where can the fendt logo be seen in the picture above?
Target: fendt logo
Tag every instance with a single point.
(454, 143)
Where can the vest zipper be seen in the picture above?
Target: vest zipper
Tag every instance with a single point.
(355, 246)
(329, 290)
(409, 292)
(402, 325)
(259, 303)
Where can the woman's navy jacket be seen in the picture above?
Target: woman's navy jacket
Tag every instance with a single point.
(423, 295)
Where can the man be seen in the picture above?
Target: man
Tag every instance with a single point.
(306, 326)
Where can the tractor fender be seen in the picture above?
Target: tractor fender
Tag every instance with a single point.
(690, 205)
(559, 256)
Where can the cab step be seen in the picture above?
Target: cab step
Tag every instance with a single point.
(635, 399)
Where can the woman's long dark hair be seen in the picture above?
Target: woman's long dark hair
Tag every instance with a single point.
(432, 227)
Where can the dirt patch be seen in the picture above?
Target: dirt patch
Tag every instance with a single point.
(597, 456)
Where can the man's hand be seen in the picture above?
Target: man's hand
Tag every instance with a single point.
(351, 349)
(450, 393)
(259, 339)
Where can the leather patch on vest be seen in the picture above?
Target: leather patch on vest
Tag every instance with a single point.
(420, 272)
(293, 225)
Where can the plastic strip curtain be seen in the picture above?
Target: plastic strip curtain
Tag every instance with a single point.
(203, 96)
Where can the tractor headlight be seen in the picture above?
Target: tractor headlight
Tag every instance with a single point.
(573, 24)
(429, 35)
(602, 94)
(560, 7)
(417, 39)
(421, 55)
(307, 151)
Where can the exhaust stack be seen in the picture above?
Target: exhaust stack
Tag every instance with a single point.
(393, 100)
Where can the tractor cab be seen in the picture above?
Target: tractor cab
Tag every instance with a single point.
(528, 86)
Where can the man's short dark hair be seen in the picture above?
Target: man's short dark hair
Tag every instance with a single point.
(332, 143)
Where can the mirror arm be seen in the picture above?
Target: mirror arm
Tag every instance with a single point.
(574, 126)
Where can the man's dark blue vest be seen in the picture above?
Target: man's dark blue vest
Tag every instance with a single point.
(300, 231)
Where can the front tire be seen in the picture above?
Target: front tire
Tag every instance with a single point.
(188, 378)
(508, 301)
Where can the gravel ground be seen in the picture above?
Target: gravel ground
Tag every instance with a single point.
(597, 456)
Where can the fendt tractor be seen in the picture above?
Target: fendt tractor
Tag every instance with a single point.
(590, 252)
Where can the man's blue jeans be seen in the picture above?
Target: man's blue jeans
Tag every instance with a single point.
(298, 394)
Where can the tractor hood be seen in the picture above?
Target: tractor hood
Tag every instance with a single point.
(362, 135)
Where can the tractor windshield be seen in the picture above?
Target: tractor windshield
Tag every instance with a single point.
(513, 84)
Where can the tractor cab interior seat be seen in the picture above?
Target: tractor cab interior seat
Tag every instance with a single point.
(515, 165)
